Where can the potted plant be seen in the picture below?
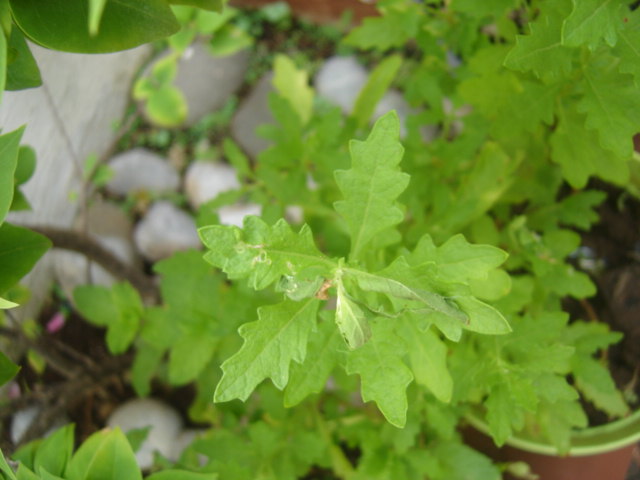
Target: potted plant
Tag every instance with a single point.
(429, 273)
(596, 452)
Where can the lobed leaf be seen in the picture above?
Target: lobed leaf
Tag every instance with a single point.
(264, 254)
(428, 360)
(372, 185)
(542, 51)
(592, 21)
(612, 105)
(310, 376)
(271, 343)
(384, 376)
(293, 84)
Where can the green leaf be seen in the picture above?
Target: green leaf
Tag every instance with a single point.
(20, 249)
(9, 144)
(483, 318)
(378, 83)
(271, 343)
(383, 374)
(144, 367)
(542, 50)
(506, 405)
(8, 369)
(351, 320)
(372, 185)
(592, 21)
(26, 164)
(228, 40)
(55, 451)
(105, 455)
(166, 106)
(401, 281)
(612, 105)
(63, 24)
(293, 84)
(428, 360)
(458, 260)
(264, 254)
(4, 467)
(627, 47)
(182, 475)
(189, 355)
(323, 354)
(96, 9)
(6, 304)
(118, 308)
(462, 462)
(22, 70)
(581, 155)
(594, 380)
(392, 29)
(493, 8)
(212, 5)
(24, 473)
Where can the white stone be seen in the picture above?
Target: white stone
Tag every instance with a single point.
(21, 422)
(206, 180)
(165, 422)
(164, 230)
(234, 214)
(253, 112)
(142, 170)
(23, 419)
(393, 100)
(340, 80)
(206, 81)
(294, 214)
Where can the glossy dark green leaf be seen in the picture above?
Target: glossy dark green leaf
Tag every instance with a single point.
(213, 5)
(22, 69)
(7, 368)
(20, 249)
(64, 24)
(9, 144)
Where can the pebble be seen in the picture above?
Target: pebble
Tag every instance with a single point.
(340, 80)
(142, 170)
(234, 214)
(206, 180)
(206, 81)
(253, 112)
(23, 419)
(393, 100)
(164, 230)
(165, 422)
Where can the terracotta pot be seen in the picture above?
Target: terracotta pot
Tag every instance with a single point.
(598, 453)
(319, 10)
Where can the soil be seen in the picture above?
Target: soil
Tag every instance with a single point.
(615, 268)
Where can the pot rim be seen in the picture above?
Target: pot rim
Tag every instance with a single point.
(590, 441)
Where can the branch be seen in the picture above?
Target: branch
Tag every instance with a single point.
(84, 244)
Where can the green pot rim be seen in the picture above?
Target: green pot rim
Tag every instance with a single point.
(590, 441)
